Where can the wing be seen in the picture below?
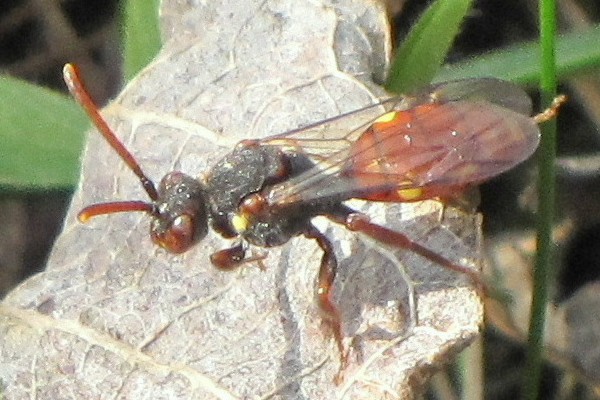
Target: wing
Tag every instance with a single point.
(325, 137)
(451, 135)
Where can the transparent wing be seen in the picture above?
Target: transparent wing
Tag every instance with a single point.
(325, 137)
(451, 135)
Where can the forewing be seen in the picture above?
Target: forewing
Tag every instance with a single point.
(496, 91)
(326, 137)
(434, 146)
(459, 133)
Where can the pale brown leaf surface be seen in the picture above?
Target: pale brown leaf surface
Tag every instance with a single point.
(115, 317)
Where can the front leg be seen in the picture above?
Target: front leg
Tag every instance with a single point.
(235, 256)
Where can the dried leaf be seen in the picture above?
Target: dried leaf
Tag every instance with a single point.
(112, 314)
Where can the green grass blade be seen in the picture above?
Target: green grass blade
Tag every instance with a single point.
(141, 35)
(575, 52)
(423, 51)
(546, 205)
(41, 135)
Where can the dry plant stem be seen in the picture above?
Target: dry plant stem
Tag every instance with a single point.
(552, 111)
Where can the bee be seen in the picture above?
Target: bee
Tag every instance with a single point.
(437, 143)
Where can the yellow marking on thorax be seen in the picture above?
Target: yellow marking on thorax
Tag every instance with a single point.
(240, 223)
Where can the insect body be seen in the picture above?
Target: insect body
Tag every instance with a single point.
(266, 191)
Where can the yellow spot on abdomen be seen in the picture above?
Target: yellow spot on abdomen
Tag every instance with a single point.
(410, 194)
(387, 117)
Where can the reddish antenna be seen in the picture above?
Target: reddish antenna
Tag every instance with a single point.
(81, 95)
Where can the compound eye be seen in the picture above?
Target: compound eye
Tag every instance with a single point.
(178, 237)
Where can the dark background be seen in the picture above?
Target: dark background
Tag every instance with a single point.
(38, 37)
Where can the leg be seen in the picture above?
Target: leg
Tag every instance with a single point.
(233, 257)
(360, 223)
(327, 273)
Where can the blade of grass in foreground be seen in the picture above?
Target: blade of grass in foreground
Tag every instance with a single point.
(575, 52)
(141, 35)
(423, 51)
(42, 135)
(546, 205)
